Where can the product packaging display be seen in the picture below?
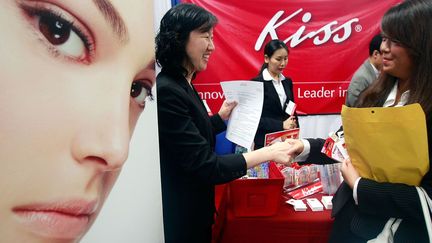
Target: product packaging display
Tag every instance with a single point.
(327, 202)
(314, 204)
(297, 176)
(298, 205)
(335, 148)
(305, 191)
(330, 177)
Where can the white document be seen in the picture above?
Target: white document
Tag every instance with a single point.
(245, 117)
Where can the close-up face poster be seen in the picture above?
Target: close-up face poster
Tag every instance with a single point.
(76, 85)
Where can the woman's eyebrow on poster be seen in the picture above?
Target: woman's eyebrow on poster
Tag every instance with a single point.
(114, 19)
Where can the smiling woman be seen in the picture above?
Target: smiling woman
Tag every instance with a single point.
(189, 166)
(74, 78)
(362, 206)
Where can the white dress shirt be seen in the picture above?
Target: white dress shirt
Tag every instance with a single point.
(376, 71)
(277, 84)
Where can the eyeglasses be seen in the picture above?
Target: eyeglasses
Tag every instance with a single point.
(391, 41)
(395, 42)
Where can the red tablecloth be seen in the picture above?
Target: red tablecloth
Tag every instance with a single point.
(286, 226)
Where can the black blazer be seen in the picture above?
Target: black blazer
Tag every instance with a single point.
(273, 114)
(189, 166)
(377, 202)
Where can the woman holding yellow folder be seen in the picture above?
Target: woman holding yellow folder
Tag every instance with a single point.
(361, 207)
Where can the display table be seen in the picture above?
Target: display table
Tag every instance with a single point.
(286, 226)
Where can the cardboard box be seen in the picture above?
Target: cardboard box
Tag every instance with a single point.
(257, 197)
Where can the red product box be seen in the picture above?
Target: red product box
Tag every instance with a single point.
(305, 191)
(257, 197)
(280, 136)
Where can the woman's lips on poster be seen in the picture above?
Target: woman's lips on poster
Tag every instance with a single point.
(60, 220)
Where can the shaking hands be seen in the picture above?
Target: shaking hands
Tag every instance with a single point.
(285, 152)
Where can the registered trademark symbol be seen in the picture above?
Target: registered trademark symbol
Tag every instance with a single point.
(358, 28)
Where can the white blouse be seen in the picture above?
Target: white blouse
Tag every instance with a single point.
(277, 84)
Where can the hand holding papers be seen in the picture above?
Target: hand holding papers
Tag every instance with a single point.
(246, 115)
(387, 144)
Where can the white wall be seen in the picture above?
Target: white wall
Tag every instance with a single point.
(318, 126)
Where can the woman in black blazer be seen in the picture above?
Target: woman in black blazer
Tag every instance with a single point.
(361, 206)
(278, 92)
(189, 166)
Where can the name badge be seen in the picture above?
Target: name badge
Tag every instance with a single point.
(291, 107)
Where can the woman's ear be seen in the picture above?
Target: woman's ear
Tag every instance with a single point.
(266, 58)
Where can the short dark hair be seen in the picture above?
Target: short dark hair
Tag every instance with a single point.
(174, 30)
(375, 44)
(270, 49)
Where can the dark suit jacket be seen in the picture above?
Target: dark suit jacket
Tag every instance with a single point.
(273, 114)
(189, 166)
(377, 202)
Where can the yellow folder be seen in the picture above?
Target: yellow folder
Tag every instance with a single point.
(387, 144)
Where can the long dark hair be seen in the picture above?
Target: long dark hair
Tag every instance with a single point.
(270, 49)
(173, 35)
(410, 23)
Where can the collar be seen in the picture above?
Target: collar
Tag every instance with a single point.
(374, 69)
(391, 98)
(267, 77)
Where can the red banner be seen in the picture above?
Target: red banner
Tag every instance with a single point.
(328, 41)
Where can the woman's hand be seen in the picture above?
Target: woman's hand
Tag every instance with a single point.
(286, 151)
(296, 147)
(226, 109)
(280, 153)
(349, 173)
(290, 123)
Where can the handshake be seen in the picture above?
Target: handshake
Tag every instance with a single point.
(286, 151)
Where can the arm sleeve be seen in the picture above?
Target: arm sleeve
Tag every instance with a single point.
(305, 153)
(315, 155)
(391, 199)
(217, 123)
(183, 147)
(355, 190)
